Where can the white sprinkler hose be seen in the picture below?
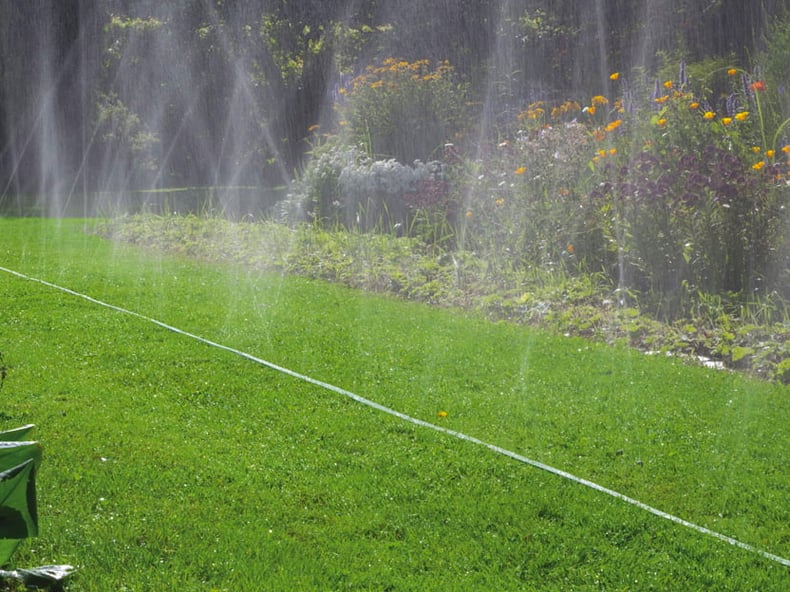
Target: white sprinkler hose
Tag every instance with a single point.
(419, 422)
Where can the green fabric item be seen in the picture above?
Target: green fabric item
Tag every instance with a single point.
(18, 512)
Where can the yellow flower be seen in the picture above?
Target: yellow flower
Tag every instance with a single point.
(694, 105)
(520, 170)
(614, 75)
(590, 109)
(313, 127)
(709, 115)
(786, 149)
(442, 414)
(602, 153)
(613, 125)
(468, 213)
(758, 165)
(726, 120)
(756, 149)
(662, 99)
(612, 151)
(742, 115)
(661, 122)
(732, 72)
(599, 100)
(668, 84)
(500, 201)
(769, 153)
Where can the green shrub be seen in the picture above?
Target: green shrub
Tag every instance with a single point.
(684, 220)
(521, 202)
(343, 188)
(775, 68)
(405, 110)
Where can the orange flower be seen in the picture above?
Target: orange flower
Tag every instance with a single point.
(668, 84)
(758, 165)
(661, 122)
(599, 100)
(732, 72)
(662, 99)
(758, 85)
(694, 105)
(520, 170)
(614, 75)
(613, 125)
(571, 249)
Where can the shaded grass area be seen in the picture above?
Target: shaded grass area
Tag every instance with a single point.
(170, 465)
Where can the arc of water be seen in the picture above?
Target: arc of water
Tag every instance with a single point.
(416, 421)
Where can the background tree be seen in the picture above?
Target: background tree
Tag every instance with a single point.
(133, 93)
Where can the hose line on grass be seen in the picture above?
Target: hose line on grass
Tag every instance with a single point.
(418, 422)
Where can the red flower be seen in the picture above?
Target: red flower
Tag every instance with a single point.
(758, 85)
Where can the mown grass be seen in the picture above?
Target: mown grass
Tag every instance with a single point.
(172, 465)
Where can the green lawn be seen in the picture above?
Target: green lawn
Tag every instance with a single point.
(171, 465)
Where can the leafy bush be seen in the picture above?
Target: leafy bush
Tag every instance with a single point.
(775, 67)
(343, 188)
(521, 200)
(674, 189)
(677, 222)
(405, 110)
(317, 194)
(672, 195)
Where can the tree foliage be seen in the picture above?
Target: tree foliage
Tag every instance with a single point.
(137, 93)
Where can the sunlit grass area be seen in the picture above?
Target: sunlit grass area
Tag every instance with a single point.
(173, 465)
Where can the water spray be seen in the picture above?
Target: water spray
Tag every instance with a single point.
(419, 422)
